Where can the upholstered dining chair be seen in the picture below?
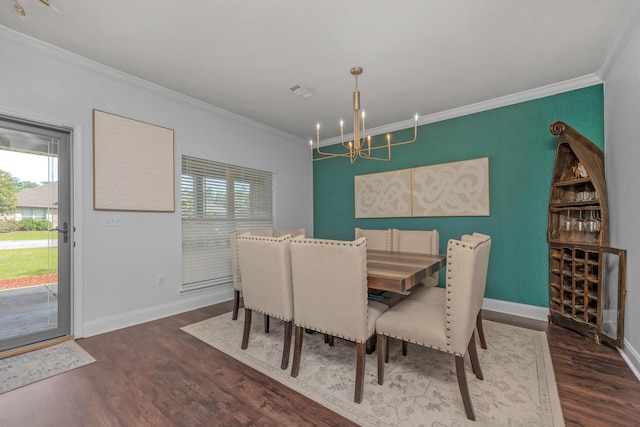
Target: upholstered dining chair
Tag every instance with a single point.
(330, 296)
(235, 266)
(431, 295)
(446, 324)
(376, 239)
(418, 241)
(265, 265)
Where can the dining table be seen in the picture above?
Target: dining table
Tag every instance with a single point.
(398, 272)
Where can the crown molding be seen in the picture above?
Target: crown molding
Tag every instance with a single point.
(44, 48)
(628, 22)
(516, 98)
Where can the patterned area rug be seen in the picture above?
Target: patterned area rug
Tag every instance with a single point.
(420, 389)
(27, 368)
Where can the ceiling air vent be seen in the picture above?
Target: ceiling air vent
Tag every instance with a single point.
(301, 91)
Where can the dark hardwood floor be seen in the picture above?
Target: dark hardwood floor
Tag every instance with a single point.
(156, 375)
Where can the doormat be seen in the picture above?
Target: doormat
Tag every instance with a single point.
(27, 368)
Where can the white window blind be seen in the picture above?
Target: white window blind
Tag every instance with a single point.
(217, 199)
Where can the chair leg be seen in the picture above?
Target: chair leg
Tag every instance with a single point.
(386, 353)
(360, 359)
(287, 344)
(266, 323)
(404, 347)
(464, 389)
(236, 304)
(473, 354)
(483, 343)
(328, 339)
(383, 342)
(247, 328)
(297, 351)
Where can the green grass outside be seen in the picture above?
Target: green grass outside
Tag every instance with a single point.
(16, 263)
(28, 235)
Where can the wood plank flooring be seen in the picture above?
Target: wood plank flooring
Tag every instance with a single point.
(156, 375)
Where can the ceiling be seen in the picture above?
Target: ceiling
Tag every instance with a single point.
(424, 56)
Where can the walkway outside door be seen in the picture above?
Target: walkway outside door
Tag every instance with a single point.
(35, 266)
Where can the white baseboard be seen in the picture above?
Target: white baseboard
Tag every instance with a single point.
(632, 357)
(516, 309)
(194, 301)
(629, 354)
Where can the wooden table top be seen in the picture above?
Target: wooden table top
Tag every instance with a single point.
(400, 271)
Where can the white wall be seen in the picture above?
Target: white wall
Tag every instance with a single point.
(116, 267)
(622, 156)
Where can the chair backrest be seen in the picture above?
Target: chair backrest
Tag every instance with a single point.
(330, 286)
(474, 237)
(376, 239)
(265, 266)
(294, 232)
(233, 246)
(420, 241)
(466, 280)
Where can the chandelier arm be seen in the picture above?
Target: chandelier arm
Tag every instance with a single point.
(415, 136)
(330, 155)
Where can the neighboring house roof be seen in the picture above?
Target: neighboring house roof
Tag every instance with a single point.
(44, 196)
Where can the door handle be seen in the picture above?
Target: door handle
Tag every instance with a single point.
(64, 230)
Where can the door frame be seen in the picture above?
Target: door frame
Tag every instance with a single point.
(76, 220)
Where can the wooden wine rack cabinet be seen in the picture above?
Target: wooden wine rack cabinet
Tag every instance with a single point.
(583, 288)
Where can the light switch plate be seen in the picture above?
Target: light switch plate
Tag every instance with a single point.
(112, 221)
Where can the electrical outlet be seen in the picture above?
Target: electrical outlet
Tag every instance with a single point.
(112, 221)
(160, 279)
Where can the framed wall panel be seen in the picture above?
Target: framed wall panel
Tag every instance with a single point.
(452, 189)
(447, 189)
(383, 195)
(133, 165)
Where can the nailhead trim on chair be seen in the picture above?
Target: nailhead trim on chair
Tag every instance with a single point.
(269, 314)
(424, 345)
(330, 242)
(449, 285)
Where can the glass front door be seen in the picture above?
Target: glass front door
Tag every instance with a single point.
(35, 233)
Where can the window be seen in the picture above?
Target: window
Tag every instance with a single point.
(217, 199)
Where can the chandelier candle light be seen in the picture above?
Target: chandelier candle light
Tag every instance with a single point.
(358, 147)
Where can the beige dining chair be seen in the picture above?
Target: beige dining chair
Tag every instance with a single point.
(419, 241)
(330, 296)
(235, 267)
(444, 324)
(376, 239)
(265, 265)
(430, 295)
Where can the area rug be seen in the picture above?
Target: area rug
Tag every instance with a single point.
(421, 389)
(27, 368)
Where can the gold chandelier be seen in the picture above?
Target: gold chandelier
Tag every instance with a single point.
(359, 146)
(20, 10)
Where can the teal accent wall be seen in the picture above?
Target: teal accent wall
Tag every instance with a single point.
(521, 152)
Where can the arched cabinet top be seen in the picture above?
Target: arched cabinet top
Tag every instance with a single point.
(578, 170)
